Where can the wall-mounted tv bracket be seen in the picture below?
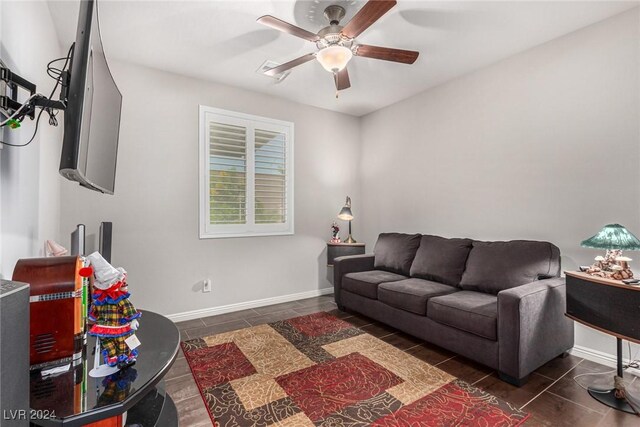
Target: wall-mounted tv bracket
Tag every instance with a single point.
(9, 101)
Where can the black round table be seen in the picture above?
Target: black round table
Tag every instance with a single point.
(65, 395)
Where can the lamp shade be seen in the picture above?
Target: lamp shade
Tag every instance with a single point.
(334, 58)
(345, 213)
(613, 236)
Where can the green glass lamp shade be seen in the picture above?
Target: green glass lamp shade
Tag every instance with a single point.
(613, 236)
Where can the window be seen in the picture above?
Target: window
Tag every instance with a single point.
(246, 175)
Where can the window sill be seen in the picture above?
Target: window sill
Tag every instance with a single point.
(204, 236)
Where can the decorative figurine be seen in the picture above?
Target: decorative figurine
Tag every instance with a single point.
(611, 266)
(52, 248)
(621, 270)
(114, 316)
(335, 238)
(623, 261)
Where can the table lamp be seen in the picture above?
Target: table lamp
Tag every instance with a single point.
(614, 238)
(346, 215)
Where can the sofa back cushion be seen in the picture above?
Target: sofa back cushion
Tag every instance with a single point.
(495, 266)
(395, 252)
(441, 260)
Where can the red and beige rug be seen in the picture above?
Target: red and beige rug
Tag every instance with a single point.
(317, 370)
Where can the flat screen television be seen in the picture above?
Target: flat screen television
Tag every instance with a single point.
(92, 116)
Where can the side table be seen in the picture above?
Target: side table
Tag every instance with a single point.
(70, 397)
(608, 306)
(335, 250)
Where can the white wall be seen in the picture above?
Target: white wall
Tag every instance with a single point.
(155, 207)
(29, 180)
(544, 145)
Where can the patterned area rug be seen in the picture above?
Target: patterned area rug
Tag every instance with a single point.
(317, 370)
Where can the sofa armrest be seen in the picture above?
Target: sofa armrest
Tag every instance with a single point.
(348, 264)
(532, 327)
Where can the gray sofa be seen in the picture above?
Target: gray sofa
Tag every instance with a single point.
(499, 303)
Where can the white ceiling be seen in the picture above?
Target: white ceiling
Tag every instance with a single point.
(220, 41)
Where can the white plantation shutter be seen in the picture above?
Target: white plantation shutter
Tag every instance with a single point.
(227, 174)
(270, 177)
(246, 175)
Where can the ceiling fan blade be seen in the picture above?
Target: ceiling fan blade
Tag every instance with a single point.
(387, 53)
(341, 79)
(287, 65)
(279, 24)
(370, 13)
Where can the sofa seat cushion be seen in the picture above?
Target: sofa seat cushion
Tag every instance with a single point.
(473, 312)
(394, 252)
(412, 294)
(441, 259)
(495, 266)
(365, 283)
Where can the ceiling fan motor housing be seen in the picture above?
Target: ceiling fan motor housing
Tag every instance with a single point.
(334, 14)
(332, 35)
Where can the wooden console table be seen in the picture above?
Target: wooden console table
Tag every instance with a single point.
(608, 306)
(72, 398)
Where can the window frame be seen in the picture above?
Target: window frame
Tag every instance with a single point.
(251, 122)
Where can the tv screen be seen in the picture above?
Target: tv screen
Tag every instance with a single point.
(92, 116)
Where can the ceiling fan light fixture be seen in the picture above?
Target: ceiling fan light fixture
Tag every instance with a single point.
(334, 58)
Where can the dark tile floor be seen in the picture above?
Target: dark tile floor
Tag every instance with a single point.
(551, 395)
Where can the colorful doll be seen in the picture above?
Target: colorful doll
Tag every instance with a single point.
(114, 316)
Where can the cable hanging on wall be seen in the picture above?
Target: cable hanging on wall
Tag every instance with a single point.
(16, 112)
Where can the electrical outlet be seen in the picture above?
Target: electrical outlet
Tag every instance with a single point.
(206, 285)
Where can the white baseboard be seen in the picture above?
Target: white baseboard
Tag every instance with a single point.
(600, 357)
(195, 314)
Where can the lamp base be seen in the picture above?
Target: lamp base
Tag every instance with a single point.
(609, 398)
(350, 240)
(611, 266)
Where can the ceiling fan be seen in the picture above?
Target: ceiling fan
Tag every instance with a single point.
(336, 44)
